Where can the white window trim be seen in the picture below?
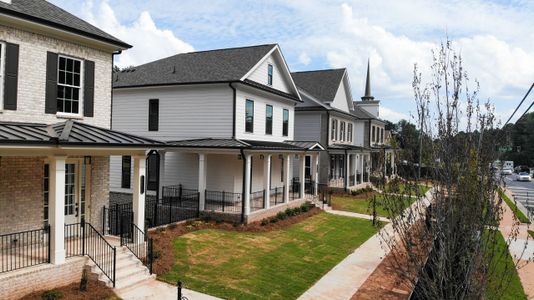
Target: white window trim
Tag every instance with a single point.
(2, 74)
(78, 115)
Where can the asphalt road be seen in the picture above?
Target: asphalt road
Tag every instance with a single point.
(520, 184)
(523, 191)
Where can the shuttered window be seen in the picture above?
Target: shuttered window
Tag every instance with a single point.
(153, 115)
(285, 125)
(249, 116)
(126, 173)
(269, 119)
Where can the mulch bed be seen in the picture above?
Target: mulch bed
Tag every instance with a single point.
(95, 290)
(163, 238)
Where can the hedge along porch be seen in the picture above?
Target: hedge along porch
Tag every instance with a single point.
(55, 175)
(238, 180)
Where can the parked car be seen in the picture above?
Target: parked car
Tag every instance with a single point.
(506, 172)
(523, 176)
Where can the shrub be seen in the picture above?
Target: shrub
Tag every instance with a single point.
(273, 220)
(305, 207)
(264, 222)
(52, 295)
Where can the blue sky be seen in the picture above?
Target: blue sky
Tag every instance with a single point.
(495, 38)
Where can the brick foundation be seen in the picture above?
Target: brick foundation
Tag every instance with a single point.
(262, 214)
(16, 284)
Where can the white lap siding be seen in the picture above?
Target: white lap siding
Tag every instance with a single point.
(185, 112)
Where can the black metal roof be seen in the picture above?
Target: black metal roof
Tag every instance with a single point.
(243, 144)
(68, 133)
(321, 84)
(347, 147)
(270, 89)
(212, 66)
(43, 12)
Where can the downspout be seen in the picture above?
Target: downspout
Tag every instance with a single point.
(243, 185)
(233, 109)
(118, 52)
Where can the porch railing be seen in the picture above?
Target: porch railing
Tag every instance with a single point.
(257, 200)
(277, 195)
(223, 201)
(83, 239)
(309, 188)
(139, 244)
(294, 189)
(24, 249)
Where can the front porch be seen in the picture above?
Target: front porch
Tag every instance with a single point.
(234, 184)
(348, 169)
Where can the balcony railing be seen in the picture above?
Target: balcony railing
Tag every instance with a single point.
(24, 249)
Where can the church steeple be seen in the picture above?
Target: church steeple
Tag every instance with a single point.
(367, 96)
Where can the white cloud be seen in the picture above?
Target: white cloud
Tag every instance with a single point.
(304, 58)
(149, 42)
(392, 115)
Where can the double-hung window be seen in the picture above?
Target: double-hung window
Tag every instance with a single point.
(285, 124)
(153, 115)
(270, 74)
(382, 135)
(69, 85)
(269, 119)
(373, 135)
(249, 116)
(333, 134)
(349, 132)
(342, 131)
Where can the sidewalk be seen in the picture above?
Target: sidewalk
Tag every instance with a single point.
(517, 249)
(155, 289)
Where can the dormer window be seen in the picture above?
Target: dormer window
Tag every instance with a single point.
(69, 84)
(270, 74)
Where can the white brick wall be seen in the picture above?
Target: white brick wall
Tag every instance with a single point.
(32, 77)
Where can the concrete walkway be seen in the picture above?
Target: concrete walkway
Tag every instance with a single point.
(155, 289)
(356, 215)
(345, 279)
(522, 247)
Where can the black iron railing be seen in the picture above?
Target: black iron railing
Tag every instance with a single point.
(309, 188)
(83, 239)
(257, 200)
(24, 249)
(352, 180)
(277, 196)
(223, 201)
(139, 244)
(294, 189)
(176, 195)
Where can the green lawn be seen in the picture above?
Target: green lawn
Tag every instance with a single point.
(280, 264)
(505, 266)
(517, 212)
(402, 187)
(353, 204)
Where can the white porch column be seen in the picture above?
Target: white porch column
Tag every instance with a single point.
(161, 172)
(267, 179)
(355, 168)
(287, 157)
(302, 174)
(246, 197)
(139, 191)
(361, 168)
(347, 170)
(56, 209)
(315, 172)
(202, 173)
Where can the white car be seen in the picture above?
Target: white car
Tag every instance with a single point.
(506, 172)
(523, 176)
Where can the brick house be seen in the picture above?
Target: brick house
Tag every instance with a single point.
(55, 144)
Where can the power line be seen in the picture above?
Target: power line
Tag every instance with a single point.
(520, 103)
(526, 111)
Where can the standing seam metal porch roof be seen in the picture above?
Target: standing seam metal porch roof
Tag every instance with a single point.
(69, 133)
(244, 144)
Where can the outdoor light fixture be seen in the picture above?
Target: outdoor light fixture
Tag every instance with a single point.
(239, 157)
(280, 156)
(261, 156)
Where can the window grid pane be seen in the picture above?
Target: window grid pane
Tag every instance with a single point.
(285, 127)
(70, 190)
(269, 119)
(69, 84)
(249, 116)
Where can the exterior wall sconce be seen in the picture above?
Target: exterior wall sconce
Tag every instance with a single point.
(239, 157)
(280, 156)
(261, 156)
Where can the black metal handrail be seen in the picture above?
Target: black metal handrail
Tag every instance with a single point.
(309, 188)
(24, 249)
(140, 244)
(83, 239)
(277, 195)
(223, 201)
(257, 200)
(294, 189)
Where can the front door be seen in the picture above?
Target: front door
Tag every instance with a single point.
(71, 194)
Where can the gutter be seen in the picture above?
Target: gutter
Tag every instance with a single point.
(243, 185)
(112, 75)
(233, 108)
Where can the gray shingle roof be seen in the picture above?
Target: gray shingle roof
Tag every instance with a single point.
(46, 13)
(213, 66)
(68, 133)
(321, 84)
